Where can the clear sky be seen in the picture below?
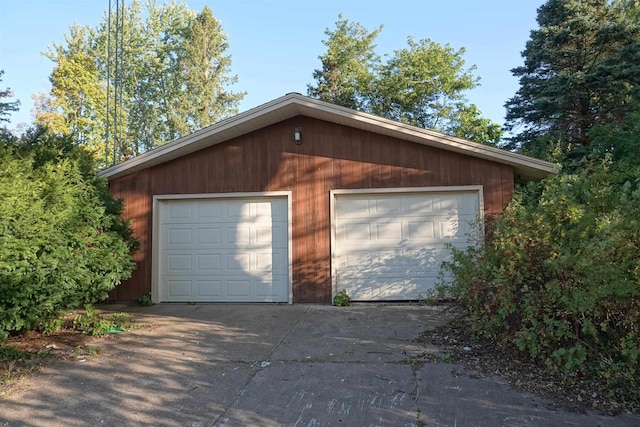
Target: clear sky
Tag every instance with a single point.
(275, 44)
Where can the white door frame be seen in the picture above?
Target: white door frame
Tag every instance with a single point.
(478, 189)
(155, 241)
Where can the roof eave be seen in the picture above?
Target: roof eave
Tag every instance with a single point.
(294, 104)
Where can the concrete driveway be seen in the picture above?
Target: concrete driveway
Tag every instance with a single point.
(264, 365)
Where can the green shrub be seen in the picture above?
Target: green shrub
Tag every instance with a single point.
(91, 323)
(342, 299)
(145, 300)
(12, 352)
(120, 320)
(558, 276)
(62, 241)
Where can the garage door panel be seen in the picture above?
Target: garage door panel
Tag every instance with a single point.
(359, 208)
(178, 212)
(210, 209)
(385, 207)
(425, 230)
(180, 288)
(276, 286)
(209, 235)
(277, 236)
(416, 206)
(178, 263)
(180, 236)
(273, 262)
(238, 262)
(217, 250)
(391, 246)
(208, 288)
(238, 288)
(238, 235)
(209, 263)
(390, 230)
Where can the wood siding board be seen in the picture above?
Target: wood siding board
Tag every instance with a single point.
(324, 234)
(133, 189)
(375, 164)
(365, 143)
(434, 166)
(465, 170)
(507, 185)
(319, 222)
(475, 170)
(408, 162)
(495, 195)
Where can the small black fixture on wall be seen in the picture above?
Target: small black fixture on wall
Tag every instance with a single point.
(297, 136)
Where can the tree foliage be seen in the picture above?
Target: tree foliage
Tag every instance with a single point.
(175, 75)
(581, 68)
(558, 275)
(62, 241)
(348, 67)
(7, 107)
(422, 84)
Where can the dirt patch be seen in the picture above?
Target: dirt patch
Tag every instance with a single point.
(58, 342)
(487, 358)
(22, 355)
(29, 352)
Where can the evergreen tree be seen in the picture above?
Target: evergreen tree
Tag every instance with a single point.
(63, 242)
(206, 71)
(582, 67)
(7, 107)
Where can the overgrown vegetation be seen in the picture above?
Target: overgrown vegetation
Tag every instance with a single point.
(92, 323)
(62, 241)
(558, 275)
(87, 322)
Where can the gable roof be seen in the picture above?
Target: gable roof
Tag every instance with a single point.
(294, 104)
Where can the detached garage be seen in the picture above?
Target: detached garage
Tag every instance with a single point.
(297, 199)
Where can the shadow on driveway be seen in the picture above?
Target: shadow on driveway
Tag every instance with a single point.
(303, 365)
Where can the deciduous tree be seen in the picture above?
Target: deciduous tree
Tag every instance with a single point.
(349, 66)
(175, 75)
(423, 84)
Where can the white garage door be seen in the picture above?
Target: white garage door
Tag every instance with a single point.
(223, 250)
(390, 246)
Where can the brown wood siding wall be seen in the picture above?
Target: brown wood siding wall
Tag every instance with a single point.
(134, 190)
(330, 157)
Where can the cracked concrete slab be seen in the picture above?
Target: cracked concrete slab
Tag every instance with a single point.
(312, 365)
(342, 393)
(449, 395)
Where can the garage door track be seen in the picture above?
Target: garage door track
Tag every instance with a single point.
(302, 365)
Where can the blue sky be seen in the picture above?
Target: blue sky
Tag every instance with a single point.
(275, 44)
